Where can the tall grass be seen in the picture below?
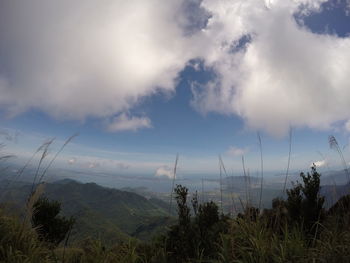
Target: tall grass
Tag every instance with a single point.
(220, 182)
(202, 195)
(44, 149)
(20, 171)
(20, 243)
(333, 144)
(261, 169)
(247, 183)
(288, 163)
(173, 183)
(230, 186)
(33, 198)
(69, 139)
(45, 152)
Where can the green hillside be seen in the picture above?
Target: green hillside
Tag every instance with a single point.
(104, 213)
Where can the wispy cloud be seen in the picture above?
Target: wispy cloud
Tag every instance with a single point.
(237, 151)
(94, 164)
(124, 122)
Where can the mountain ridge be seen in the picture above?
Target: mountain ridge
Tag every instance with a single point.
(101, 212)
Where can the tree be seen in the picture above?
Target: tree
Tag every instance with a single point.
(50, 227)
(195, 237)
(304, 202)
(180, 237)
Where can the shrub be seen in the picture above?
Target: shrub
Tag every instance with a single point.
(50, 227)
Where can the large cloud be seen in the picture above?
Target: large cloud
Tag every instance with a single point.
(75, 59)
(286, 76)
(78, 59)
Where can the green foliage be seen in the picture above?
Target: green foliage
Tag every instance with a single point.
(180, 237)
(304, 203)
(50, 227)
(195, 237)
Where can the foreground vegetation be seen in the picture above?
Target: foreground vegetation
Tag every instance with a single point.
(297, 229)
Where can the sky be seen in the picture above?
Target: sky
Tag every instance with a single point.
(143, 81)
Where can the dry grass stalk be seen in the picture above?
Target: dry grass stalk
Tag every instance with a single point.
(202, 195)
(231, 187)
(173, 183)
(57, 153)
(288, 164)
(246, 182)
(45, 152)
(34, 197)
(20, 172)
(249, 186)
(333, 144)
(220, 167)
(6, 157)
(262, 169)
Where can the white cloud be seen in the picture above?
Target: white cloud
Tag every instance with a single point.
(237, 151)
(94, 164)
(88, 58)
(72, 160)
(128, 123)
(320, 163)
(286, 76)
(164, 171)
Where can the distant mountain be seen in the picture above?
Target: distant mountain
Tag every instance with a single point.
(334, 184)
(334, 192)
(101, 212)
(335, 177)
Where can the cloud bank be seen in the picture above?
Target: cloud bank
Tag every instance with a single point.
(80, 59)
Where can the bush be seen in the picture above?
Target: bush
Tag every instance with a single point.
(50, 227)
(196, 237)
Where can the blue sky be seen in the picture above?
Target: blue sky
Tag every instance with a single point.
(179, 91)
